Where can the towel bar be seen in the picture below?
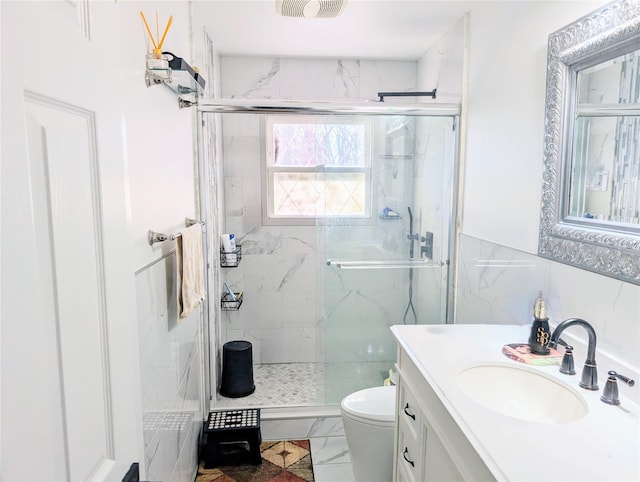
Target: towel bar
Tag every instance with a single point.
(154, 237)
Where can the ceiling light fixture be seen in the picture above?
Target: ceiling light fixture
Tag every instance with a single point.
(310, 8)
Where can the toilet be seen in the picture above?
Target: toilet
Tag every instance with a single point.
(368, 417)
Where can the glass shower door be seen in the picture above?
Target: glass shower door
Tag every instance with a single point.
(390, 267)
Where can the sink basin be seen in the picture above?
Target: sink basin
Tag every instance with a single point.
(522, 393)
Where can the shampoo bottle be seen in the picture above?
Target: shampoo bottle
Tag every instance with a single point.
(540, 336)
(229, 249)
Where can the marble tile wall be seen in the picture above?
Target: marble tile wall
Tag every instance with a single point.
(327, 79)
(295, 308)
(171, 375)
(498, 284)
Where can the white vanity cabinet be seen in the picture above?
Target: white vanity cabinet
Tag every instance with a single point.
(429, 445)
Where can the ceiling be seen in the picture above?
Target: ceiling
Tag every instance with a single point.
(367, 29)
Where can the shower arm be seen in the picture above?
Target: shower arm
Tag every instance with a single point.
(382, 95)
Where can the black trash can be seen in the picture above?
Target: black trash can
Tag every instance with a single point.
(237, 369)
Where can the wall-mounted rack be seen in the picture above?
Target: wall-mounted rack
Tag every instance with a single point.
(230, 259)
(154, 237)
(229, 304)
(179, 77)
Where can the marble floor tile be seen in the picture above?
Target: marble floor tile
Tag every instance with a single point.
(329, 450)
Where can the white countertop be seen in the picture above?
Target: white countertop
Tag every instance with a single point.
(602, 446)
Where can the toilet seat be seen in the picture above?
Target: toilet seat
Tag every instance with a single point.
(372, 405)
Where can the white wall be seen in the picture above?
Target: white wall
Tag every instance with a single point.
(159, 147)
(499, 272)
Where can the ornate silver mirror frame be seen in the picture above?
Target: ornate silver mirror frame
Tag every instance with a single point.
(594, 38)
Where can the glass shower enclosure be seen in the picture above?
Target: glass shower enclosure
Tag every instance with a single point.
(344, 214)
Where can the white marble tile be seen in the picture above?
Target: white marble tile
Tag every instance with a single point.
(262, 240)
(286, 429)
(241, 155)
(250, 77)
(298, 240)
(333, 473)
(261, 310)
(252, 203)
(331, 78)
(233, 197)
(187, 465)
(329, 450)
(326, 427)
(300, 309)
(285, 344)
(387, 76)
(302, 428)
(170, 366)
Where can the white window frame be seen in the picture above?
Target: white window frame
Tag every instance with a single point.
(268, 169)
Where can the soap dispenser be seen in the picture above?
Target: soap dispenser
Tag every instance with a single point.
(540, 335)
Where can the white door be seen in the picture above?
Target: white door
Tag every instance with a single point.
(70, 402)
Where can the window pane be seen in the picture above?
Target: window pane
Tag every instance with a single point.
(315, 144)
(294, 145)
(319, 194)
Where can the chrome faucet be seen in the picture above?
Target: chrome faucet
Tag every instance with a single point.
(589, 379)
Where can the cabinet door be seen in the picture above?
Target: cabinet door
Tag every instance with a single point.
(437, 465)
(408, 460)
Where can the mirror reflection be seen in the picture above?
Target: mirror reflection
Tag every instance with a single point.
(605, 168)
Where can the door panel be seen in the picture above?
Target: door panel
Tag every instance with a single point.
(61, 156)
(70, 376)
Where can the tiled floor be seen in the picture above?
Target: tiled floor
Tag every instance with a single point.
(329, 449)
(331, 462)
(286, 385)
(307, 384)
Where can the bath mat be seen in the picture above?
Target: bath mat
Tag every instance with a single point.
(282, 461)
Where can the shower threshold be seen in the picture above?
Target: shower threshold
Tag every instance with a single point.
(306, 387)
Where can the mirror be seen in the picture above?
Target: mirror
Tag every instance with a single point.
(591, 186)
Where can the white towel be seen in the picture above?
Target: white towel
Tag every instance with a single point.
(191, 291)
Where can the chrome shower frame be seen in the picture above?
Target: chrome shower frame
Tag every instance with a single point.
(208, 106)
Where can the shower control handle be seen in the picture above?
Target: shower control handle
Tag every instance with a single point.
(407, 413)
(426, 251)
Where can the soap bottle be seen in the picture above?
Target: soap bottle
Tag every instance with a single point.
(540, 336)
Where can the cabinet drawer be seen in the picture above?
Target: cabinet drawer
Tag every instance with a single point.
(403, 475)
(409, 410)
(408, 461)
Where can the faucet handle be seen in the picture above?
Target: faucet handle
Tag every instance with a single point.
(610, 392)
(567, 367)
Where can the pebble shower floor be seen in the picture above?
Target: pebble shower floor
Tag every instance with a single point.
(308, 384)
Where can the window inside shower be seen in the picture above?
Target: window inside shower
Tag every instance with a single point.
(319, 296)
(316, 167)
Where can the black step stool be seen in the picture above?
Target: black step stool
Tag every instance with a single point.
(232, 437)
